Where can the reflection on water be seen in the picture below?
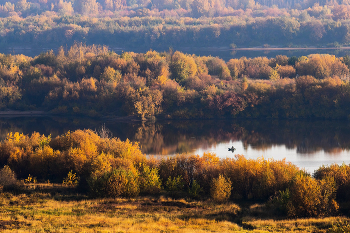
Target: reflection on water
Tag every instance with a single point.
(306, 143)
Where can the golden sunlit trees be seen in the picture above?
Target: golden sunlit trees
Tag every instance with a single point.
(65, 8)
(110, 75)
(220, 189)
(258, 68)
(109, 167)
(310, 197)
(87, 7)
(154, 67)
(236, 67)
(182, 66)
(321, 66)
(286, 71)
(340, 173)
(341, 12)
(90, 80)
(148, 103)
(257, 179)
(217, 66)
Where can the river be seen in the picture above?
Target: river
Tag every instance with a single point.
(308, 144)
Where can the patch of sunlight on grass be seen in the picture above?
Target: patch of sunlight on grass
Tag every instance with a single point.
(303, 225)
(22, 213)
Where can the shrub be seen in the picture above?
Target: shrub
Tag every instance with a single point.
(236, 67)
(122, 183)
(18, 149)
(174, 184)
(179, 166)
(98, 184)
(100, 165)
(195, 189)
(182, 66)
(7, 177)
(190, 167)
(309, 197)
(46, 163)
(71, 180)
(85, 140)
(30, 180)
(286, 71)
(76, 160)
(220, 189)
(121, 149)
(341, 175)
(115, 183)
(283, 200)
(257, 178)
(149, 180)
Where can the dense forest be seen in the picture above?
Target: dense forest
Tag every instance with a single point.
(91, 80)
(163, 24)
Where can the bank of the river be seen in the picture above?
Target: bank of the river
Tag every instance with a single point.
(13, 113)
(223, 52)
(271, 48)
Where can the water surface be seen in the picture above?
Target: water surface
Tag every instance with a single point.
(308, 144)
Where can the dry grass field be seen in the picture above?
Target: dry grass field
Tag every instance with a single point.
(59, 209)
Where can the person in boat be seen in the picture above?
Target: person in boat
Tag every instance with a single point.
(232, 149)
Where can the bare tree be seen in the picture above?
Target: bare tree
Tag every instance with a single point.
(104, 132)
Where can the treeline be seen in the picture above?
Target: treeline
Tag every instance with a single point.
(108, 167)
(190, 24)
(155, 31)
(189, 7)
(150, 32)
(94, 81)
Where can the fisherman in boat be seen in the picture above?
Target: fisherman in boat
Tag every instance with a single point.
(232, 149)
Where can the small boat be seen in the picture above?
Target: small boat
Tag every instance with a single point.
(232, 149)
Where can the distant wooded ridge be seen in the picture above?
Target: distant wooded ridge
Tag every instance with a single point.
(163, 24)
(194, 7)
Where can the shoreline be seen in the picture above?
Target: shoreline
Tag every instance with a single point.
(23, 113)
(293, 48)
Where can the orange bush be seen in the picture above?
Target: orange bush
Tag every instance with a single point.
(321, 66)
(45, 163)
(220, 189)
(286, 71)
(120, 149)
(311, 198)
(236, 67)
(18, 149)
(341, 175)
(122, 183)
(258, 179)
(86, 140)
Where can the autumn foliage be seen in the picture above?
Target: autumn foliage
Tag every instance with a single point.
(110, 167)
(93, 81)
